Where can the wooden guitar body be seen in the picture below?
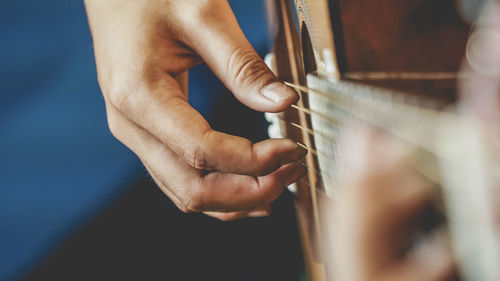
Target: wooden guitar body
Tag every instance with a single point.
(361, 48)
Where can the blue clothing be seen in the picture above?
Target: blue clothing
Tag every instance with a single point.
(59, 165)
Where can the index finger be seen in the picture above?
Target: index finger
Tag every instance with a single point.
(162, 110)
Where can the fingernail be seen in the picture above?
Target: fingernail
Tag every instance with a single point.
(278, 92)
(258, 214)
(298, 153)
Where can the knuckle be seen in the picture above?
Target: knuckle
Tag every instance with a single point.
(184, 208)
(184, 201)
(184, 205)
(123, 88)
(199, 12)
(245, 65)
(178, 194)
(196, 203)
(119, 98)
(113, 126)
(197, 158)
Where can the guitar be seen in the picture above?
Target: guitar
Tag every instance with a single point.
(394, 65)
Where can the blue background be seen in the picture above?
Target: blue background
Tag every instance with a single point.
(59, 165)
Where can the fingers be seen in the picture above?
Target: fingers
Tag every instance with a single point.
(232, 192)
(255, 213)
(143, 82)
(373, 213)
(165, 113)
(431, 261)
(193, 190)
(480, 89)
(156, 102)
(222, 152)
(223, 46)
(370, 222)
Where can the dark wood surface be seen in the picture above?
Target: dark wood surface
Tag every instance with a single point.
(402, 35)
(385, 36)
(289, 61)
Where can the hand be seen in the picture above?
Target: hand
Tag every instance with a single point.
(143, 50)
(480, 86)
(374, 216)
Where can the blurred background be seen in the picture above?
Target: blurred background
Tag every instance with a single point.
(75, 204)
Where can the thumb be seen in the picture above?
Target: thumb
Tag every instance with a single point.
(222, 45)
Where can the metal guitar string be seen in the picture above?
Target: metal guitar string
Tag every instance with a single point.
(311, 112)
(321, 174)
(309, 131)
(375, 117)
(318, 172)
(317, 189)
(336, 101)
(378, 121)
(375, 75)
(310, 149)
(418, 161)
(428, 118)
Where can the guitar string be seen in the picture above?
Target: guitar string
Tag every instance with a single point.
(333, 102)
(315, 188)
(306, 90)
(336, 100)
(315, 152)
(380, 123)
(370, 122)
(319, 173)
(311, 112)
(324, 174)
(374, 75)
(310, 149)
(418, 167)
(320, 176)
(311, 132)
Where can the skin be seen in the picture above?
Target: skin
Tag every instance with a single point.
(480, 90)
(370, 219)
(143, 51)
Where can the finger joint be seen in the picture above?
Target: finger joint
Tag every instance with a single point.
(245, 66)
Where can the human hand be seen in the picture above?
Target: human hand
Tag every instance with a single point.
(143, 50)
(373, 218)
(479, 87)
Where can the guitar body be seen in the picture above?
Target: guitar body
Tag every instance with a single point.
(412, 47)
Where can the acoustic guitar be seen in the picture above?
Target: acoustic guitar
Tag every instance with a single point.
(394, 65)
